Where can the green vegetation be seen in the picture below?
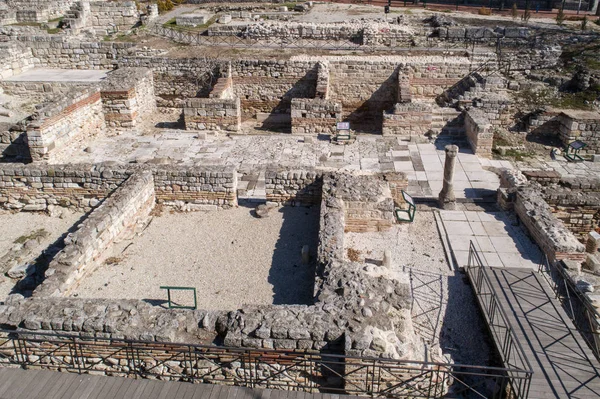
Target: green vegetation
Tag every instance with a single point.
(39, 233)
(560, 17)
(172, 24)
(514, 11)
(515, 154)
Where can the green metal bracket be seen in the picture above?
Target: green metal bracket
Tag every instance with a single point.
(171, 306)
(572, 151)
(406, 215)
(342, 136)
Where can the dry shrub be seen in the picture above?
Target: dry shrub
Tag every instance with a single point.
(485, 11)
(353, 255)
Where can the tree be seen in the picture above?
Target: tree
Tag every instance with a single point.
(526, 14)
(514, 11)
(560, 17)
(584, 22)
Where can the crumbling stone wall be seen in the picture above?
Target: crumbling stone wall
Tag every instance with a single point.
(126, 207)
(127, 97)
(213, 114)
(39, 10)
(13, 142)
(310, 116)
(78, 116)
(479, 132)
(41, 91)
(547, 230)
(407, 119)
(322, 90)
(580, 212)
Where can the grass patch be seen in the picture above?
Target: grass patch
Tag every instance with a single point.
(54, 31)
(517, 155)
(35, 235)
(172, 24)
(38, 24)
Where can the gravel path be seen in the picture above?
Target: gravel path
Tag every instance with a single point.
(231, 257)
(444, 308)
(18, 225)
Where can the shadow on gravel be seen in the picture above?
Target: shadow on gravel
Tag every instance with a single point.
(293, 282)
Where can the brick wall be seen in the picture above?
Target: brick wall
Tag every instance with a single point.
(580, 125)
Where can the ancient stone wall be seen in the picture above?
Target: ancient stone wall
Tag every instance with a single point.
(41, 90)
(479, 132)
(580, 125)
(177, 79)
(57, 51)
(127, 207)
(310, 116)
(212, 114)
(580, 212)
(127, 97)
(109, 17)
(14, 59)
(13, 142)
(215, 187)
(407, 119)
(322, 89)
(34, 188)
(39, 10)
(547, 230)
(78, 116)
(289, 186)
(269, 86)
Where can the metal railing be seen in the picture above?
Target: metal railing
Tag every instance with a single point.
(579, 309)
(257, 368)
(504, 336)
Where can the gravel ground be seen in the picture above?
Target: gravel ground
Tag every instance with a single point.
(444, 308)
(231, 257)
(16, 225)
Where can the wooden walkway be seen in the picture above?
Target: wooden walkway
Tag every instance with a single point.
(563, 365)
(43, 384)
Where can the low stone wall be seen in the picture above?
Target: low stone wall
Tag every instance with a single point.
(579, 211)
(212, 114)
(42, 90)
(14, 59)
(35, 187)
(310, 116)
(552, 236)
(127, 207)
(287, 186)
(479, 132)
(76, 117)
(407, 119)
(13, 142)
(215, 187)
(127, 97)
(59, 51)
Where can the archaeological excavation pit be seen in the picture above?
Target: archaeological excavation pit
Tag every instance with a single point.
(231, 257)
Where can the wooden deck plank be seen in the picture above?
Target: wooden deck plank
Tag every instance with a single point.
(563, 365)
(16, 389)
(63, 389)
(8, 377)
(204, 391)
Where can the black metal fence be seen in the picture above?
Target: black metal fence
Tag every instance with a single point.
(291, 370)
(504, 336)
(579, 309)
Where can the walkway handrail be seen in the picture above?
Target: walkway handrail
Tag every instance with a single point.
(254, 368)
(589, 326)
(498, 322)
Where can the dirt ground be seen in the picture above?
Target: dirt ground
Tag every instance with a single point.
(231, 257)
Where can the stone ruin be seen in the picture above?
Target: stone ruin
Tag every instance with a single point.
(415, 96)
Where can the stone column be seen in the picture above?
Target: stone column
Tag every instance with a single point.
(446, 198)
(592, 243)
